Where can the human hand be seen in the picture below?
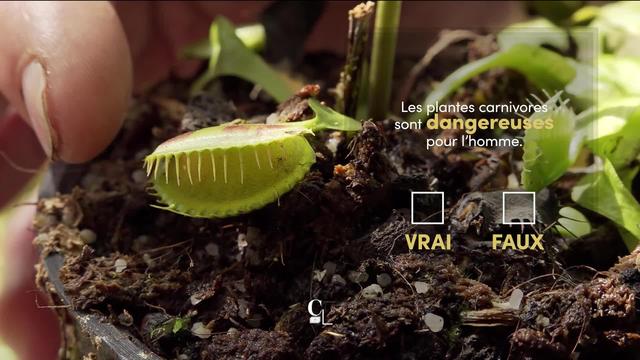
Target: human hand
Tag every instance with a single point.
(67, 71)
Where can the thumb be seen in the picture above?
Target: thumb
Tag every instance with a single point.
(67, 69)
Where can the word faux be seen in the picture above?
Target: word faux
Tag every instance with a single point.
(520, 242)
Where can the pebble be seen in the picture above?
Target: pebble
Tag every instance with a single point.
(333, 141)
(516, 299)
(421, 287)
(120, 265)
(372, 291)
(383, 279)
(242, 241)
(434, 322)
(198, 329)
(88, 236)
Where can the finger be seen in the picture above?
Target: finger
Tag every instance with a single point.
(20, 156)
(66, 67)
(31, 330)
(150, 51)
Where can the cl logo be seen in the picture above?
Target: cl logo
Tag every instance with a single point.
(317, 317)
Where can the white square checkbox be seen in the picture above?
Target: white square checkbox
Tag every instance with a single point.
(428, 193)
(533, 207)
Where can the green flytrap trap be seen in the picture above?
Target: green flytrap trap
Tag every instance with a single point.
(235, 168)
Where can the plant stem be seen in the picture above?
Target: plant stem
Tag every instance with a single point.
(383, 57)
(348, 89)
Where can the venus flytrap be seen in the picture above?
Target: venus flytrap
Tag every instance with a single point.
(235, 168)
(548, 153)
(230, 56)
(605, 193)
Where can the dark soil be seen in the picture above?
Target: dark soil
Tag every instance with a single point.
(248, 279)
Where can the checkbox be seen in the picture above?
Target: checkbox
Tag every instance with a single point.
(430, 203)
(519, 208)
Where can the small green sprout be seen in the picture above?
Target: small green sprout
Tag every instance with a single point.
(235, 168)
(173, 325)
(230, 56)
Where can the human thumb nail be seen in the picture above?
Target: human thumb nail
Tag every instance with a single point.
(34, 87)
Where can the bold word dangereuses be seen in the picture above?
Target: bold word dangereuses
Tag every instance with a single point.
(471, 125)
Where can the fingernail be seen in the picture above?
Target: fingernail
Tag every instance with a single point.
(34, 84)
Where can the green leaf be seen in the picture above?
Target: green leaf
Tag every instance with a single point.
(618, 76)
(619, 27)
(572, 223)
(229, 56)
(581, 87)
(327, 118)
(544, 68)
(615, 134)
(556, 11)
(548, 153)
(628, 175)
(605, 193)
(585, 15)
